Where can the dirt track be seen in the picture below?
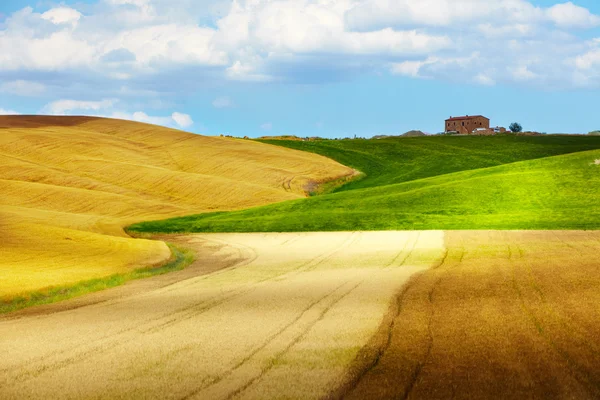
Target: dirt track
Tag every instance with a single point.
(289, 317)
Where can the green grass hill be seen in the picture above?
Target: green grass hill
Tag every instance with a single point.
(502, 182)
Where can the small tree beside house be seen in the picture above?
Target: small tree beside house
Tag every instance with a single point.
(515, 127)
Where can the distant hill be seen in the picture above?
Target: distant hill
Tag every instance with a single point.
(284, 137)
(406, 134)
(413, 134)
(69, 184)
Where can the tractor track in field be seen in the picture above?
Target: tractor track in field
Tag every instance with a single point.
(155, 325)
(579, 372)
(430, 297)
(520, 276)
(370, 355)
(101, 346)
(402, 253)
(262, 345)
(195, 310)
(121, 335)
(430, 315)
(293, 342)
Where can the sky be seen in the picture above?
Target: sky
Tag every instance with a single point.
(329, 68)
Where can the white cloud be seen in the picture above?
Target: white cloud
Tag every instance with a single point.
(371, 14)
(246, 72)
(267, 126)
(148, 43)
(301, 26)
(176, 120)
(433, 65)
(494, 30)
(61, 107)
(28, 43)
(183, 120)
(522, 73)
(23, 88)
(169, 44)
(8, 112)
(62, 15)
(223, 102)
(485, 80)
(588, 60)
(569, 15)
(106, 108)
(408, 68)
(141, 116)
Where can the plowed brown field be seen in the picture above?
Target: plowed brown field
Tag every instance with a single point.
(69, 184)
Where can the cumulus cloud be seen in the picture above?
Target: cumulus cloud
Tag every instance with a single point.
(569, 15)
(523, 73)
(108, 108)
(147, 44)
(62, 107)
(176, 120)
(485, 80)
(8, 112)
(267, 126)
(183, 120)
(588, 60)
(22, 88)
(62, 15)
(370, 14)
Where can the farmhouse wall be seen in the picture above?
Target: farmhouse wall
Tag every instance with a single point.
(466, 124)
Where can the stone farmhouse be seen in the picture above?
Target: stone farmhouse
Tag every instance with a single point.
(467, 124)
(472, 125)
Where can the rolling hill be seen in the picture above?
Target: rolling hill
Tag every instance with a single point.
(397, 160)
(435, 183)
(69, 185)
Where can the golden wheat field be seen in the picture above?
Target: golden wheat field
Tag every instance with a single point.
(506, 315)
(69, 185)
(357, 315)
(284, 320)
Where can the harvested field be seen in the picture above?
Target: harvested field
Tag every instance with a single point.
(506, 315)
(69, 185)
(483, 314)
(286, 315)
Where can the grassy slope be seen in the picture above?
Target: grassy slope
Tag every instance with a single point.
(558, 192)
(397, 160)
(69, 184)
(180, 259)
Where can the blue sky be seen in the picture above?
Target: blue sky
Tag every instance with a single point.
(331, 68)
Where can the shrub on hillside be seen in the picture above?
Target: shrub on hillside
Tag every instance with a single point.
(594, 133)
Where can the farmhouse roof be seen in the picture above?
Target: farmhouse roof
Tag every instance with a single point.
(465, 117)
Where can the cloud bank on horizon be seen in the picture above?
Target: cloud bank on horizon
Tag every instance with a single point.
(115, 57)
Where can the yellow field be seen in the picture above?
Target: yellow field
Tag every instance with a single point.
(284, 320)
(69, 185)
(357, 315)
